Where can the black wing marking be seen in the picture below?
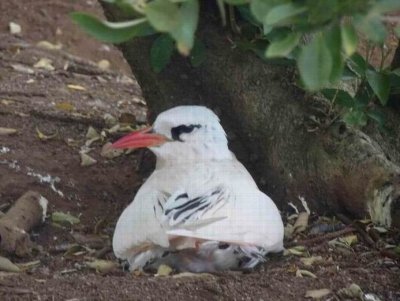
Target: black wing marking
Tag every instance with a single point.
(181, 209)
(161, 199)
(250, 256)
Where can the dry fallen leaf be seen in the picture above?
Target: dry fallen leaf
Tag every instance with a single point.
(308, 261)
(352, 291)
(15, 28)
(104, 64)
(288, 231)
(29, 265)
(301, 273)
(7, 102)
(7, 266)
(72, 250)
(114, 129)
(92, 133)
(344, 243)
(188, 274)
(107, 151)
(301, 223)
(7, 131)
(44, 63)
(48, 45)
(317, 294)
(64, 218)
(44, 137)
(297, 250)
(164, 270)
(86, 160)
(110, 120)
(76, 87)
(65, 106)
(22, 69)
(349, 239)
(124, 79)
(102, 266)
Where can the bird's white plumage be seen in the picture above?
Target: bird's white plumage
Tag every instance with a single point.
(198, 173)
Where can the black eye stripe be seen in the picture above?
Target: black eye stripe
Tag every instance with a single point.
(178, 130)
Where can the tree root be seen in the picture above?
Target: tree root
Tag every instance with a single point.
(321, 238)
(28, 211)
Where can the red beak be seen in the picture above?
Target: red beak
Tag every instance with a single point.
(140, 138)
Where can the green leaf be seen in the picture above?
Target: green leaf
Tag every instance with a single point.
(184, 33)
(355, 118)
(334, 43)
(357, 64)
(161, 52)
(380, 84)
(281, 13)
(349, 38)
(378, 116)
(372, 27)
(179, 20)
(236, 2)
(363, 97)
(112, 32)
(260, 8)
(283, 47)
(198, 54)
(163, 15)
(247, 15)
(315, 63)
(342, 98)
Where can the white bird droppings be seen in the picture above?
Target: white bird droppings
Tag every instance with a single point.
(4, 150)
(43, 203)
(46, 179)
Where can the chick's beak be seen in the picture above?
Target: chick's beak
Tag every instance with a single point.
(140, 138)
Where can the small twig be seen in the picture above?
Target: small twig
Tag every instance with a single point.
(22, 93)
(321, 238)
(97, 122)
(17, 290)
(364, 235)
(102, 252)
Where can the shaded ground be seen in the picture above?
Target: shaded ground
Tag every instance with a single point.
(34, 99)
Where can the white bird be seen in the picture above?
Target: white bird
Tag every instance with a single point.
(200, 210)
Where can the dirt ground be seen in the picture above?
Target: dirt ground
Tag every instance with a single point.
(61, 104)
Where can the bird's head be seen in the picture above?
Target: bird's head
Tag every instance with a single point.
(182, 134)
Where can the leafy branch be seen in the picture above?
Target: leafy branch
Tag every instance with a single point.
(320, 37)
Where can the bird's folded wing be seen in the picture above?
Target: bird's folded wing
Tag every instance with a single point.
(243, 218)
(182, 212)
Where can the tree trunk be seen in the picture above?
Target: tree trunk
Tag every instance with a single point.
(284, 137)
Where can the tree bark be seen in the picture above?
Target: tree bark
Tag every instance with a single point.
(284, 137)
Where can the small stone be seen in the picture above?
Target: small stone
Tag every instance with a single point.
(15, 28)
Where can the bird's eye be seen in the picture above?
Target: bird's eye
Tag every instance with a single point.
(183, 129)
